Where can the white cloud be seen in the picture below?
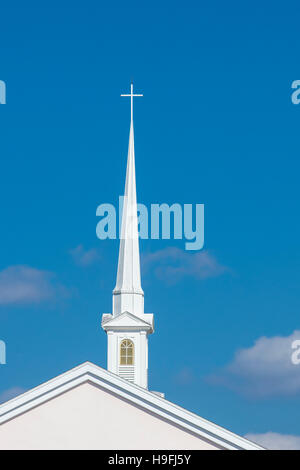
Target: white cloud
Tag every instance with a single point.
(275, 441)
(263, 370)
(23, 284)
(84, 257)
(185, 376)
(172, 264)
(10, 393)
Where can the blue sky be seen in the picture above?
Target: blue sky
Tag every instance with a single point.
(216, 126)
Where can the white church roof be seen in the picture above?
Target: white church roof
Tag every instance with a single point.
(133, 394)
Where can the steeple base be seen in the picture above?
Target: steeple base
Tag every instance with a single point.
(127, 345)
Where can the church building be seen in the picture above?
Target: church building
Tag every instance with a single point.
(92, 408)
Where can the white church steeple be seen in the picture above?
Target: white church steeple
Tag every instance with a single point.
(128, 294)
(128, 326)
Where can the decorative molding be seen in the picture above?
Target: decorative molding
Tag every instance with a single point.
(127, 321)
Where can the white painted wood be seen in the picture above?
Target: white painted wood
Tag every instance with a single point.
(128, 319)
(48, 422)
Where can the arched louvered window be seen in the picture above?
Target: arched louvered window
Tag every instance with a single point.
(126, 353)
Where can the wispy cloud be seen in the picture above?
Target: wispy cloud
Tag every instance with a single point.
(263, 370)
(11, 393)
(172, 264)
(275, 441)
(84, 257)
(23, 284)
(185, 376)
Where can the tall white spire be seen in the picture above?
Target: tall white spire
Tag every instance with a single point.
(128, 294)
(128, 327)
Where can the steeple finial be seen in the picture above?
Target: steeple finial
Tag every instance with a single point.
(131, 99)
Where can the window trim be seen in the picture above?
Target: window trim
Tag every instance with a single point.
(126, 359)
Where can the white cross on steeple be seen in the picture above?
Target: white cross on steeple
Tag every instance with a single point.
(131, 99)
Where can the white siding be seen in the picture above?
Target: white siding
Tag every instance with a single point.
(88, 417)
